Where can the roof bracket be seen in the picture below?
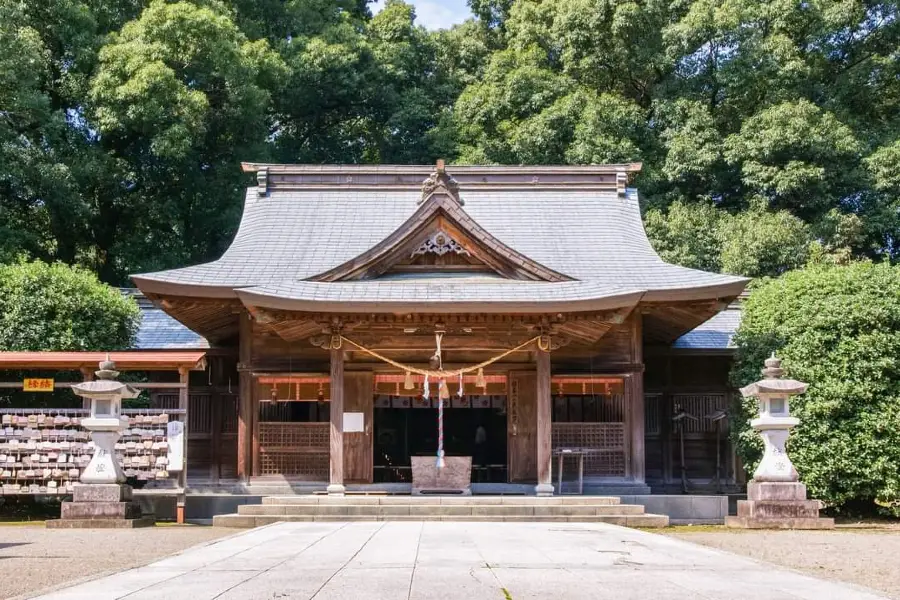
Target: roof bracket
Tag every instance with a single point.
(262, 181)
(621, 183)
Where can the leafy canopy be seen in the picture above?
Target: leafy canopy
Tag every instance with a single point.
(56, 307)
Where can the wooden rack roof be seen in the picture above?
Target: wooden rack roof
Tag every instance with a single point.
(125, 361)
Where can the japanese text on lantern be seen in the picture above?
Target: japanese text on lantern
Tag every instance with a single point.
(37, 385)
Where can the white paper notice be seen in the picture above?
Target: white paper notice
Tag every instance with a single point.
(175, 438)
(354, 422)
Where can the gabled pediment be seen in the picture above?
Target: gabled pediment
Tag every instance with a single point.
(441, 236)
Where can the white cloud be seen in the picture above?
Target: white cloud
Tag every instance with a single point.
(434, 14)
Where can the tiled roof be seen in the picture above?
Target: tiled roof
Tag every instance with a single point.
(593, 236)
(159, 331)
(715, 334)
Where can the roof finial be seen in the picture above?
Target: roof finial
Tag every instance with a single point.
(107, 369)
(773, 368)
(440, 182)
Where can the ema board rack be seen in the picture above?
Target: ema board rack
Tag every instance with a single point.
(44, 451)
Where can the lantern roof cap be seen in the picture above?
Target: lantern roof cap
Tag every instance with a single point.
(773, 382)
(105, 386)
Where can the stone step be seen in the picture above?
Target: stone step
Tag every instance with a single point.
(247, 521)
(565, 510)
(441, 500)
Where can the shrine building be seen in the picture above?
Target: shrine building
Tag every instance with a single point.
(520, 309)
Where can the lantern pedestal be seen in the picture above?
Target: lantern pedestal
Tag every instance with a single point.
(778, 505)
(101, 506)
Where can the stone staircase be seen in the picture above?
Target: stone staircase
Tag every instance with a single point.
(590, 509)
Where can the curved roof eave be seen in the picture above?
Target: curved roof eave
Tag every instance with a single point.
(151, 285)
(261, 300)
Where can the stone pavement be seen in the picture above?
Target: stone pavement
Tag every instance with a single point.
(455, 560)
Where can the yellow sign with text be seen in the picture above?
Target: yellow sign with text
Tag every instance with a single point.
(37, 385)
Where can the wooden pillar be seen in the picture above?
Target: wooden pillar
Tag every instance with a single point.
(88, 375)
(183, 403)
(544, 485)
(215, 432)
(638, 452)
(245, 402)
(336, 472)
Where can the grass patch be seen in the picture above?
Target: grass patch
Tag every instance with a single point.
(698, 529)
(22, 523)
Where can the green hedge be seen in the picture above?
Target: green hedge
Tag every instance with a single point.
(838, 329)
(58, 307)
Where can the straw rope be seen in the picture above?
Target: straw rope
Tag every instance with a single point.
(442, 373)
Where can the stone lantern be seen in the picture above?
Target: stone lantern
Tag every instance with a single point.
(775, 497)
(102, 499)
(106, 423)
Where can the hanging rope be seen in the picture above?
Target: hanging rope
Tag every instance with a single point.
(440, 450)
(441, 373)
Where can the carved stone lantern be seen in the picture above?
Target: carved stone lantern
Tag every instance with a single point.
(106, 422)
(775, 497)
(774, 422)
(102, 500)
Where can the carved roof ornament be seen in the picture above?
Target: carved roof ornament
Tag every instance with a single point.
(440, 182)
(440, 243)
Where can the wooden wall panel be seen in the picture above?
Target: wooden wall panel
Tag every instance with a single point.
(359, 396)
(521, 423)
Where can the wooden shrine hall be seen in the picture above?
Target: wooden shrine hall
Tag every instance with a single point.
(509, 315)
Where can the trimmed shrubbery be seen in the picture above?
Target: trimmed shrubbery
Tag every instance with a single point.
(838, 329)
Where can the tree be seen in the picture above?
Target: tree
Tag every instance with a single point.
(754, 243)
(759, 243)
(729, 102)
(687, 235)
(56, 307)
(838, 329)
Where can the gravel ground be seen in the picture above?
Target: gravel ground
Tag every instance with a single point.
(853, 554)
(33, 559)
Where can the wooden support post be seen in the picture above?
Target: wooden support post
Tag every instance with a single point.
(245, 402)
(638, 453)
(336, 479)
(183, 403)
(544, 485)
(88, 375)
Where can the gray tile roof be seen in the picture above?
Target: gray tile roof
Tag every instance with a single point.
(593, 236)
(159, 331)
(715, 334)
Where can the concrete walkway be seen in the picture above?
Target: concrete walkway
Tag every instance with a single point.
(448, 560)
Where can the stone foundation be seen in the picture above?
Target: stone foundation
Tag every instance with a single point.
(778, 505)
(101, 506)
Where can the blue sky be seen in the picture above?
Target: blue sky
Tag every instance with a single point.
(435, 14)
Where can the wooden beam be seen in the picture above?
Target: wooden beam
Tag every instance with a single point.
(336, 438)
(544, 417)
(245, 402)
